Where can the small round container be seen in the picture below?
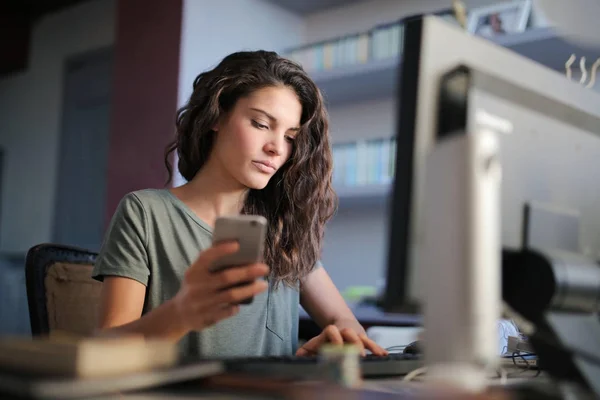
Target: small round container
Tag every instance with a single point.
(341, 364)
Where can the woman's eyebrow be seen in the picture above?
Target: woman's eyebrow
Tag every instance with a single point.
(272, 118)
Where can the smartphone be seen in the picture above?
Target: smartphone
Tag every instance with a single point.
(250, 232)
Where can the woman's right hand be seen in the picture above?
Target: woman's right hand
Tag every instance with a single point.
(206, 297)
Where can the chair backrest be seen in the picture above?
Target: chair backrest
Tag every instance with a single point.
(61, 293)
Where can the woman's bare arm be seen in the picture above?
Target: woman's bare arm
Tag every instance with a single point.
(121, 305)
(205, 298)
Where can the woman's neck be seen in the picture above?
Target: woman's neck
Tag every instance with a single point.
(212, 193)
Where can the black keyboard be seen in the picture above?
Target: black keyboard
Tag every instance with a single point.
(308, 367)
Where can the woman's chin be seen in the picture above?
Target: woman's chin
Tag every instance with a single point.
(257, 183)
(259, 187)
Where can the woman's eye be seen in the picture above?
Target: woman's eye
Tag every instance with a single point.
(290, 139)
(259, 125)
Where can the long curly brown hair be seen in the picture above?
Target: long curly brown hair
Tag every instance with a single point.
(299, 198)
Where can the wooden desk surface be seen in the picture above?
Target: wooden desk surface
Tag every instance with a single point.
(243, 391)
(237, 387)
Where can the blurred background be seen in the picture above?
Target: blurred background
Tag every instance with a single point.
(89, 91)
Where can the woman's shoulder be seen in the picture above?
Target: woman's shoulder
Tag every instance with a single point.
(149, 195)
(144, 205)
(146, 199)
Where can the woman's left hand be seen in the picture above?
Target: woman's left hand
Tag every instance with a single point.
(332, 334)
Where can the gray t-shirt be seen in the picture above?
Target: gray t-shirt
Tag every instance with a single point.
(153, 238)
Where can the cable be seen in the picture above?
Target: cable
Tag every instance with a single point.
(530, 330)
(414, 373)
(503, 375)
(399, 348)
(522, 357)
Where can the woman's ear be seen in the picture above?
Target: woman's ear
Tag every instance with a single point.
(216, 126)
(218, 123)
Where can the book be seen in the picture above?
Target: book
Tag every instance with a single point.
(50, 387)
(85, 357)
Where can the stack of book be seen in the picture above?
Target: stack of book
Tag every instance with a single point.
(85, 357)
(63, 367)
(364, 162)
(382, 42)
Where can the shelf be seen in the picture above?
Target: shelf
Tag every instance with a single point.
(546, 46)
(363, 195)
(378, 79)
(305, 7)
(364, 81)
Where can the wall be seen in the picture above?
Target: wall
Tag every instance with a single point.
(30, 119)
(144, 98)
(30, 126)
(355, 248)
(212, 29)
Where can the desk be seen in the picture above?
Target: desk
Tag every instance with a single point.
(367, 315)
(247, 388)
(250, 387)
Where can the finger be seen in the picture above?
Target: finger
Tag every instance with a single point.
(372, 346)
(350, 336)
(304, 352)
(237, 294)
(333, 335)
(232, 276)
(210, 255)
(311, 347)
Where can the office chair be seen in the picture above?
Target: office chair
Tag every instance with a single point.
(61, 293)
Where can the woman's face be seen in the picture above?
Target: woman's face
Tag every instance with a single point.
(256, 137)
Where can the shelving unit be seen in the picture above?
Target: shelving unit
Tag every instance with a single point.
(375, 195)
(378, 79)
(546, 46)
(305, 7)
(367, 81)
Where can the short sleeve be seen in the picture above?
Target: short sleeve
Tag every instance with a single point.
(123, 252)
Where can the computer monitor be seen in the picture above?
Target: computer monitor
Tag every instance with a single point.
(548, 160)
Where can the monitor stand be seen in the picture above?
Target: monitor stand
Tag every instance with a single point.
(460, 258)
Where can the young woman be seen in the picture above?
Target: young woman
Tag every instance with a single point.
(253, 139)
